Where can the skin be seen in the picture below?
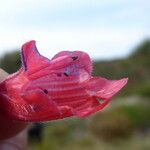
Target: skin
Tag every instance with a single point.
(12, 133)
(10, 128)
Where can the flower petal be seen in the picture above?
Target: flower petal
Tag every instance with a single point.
(104, 88)
(53, 89)
(93, 108)
(34, 109)
(31, 57)
(79, 58)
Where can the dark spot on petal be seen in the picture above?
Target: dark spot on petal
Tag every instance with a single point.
(45, 91)
(59, 74)
(74, 58)
(66, 74)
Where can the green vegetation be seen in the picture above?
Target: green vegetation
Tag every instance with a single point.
(10, 62)
(136, 67)
(121, 121)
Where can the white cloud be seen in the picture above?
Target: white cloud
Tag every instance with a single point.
(99, 43)
(108, 40)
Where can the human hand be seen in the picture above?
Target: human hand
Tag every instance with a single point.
(18, 142)
(13, 135)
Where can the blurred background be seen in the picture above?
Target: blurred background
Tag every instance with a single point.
(116, 35)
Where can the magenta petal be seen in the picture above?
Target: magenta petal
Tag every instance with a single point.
(29, 50)
(31, 57)
(42, 106)
(91, 110)
(104, 88)
(61, 54)
(78, 58)
(46, 89)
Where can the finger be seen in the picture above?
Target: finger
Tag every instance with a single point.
(18, 142)
(3, 74)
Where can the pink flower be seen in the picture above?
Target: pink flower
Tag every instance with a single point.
(62, 87)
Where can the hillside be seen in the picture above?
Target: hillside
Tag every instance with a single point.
(136, 67)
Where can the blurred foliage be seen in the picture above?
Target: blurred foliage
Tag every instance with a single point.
(143, 50)
(121, 121)
(138, 114)
(35, 132)
(10, 62)
(144, 89)
(58, 134)
(136, 67)
(111, 125)
(121, 127)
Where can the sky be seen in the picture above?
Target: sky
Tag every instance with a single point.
(104, 29)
